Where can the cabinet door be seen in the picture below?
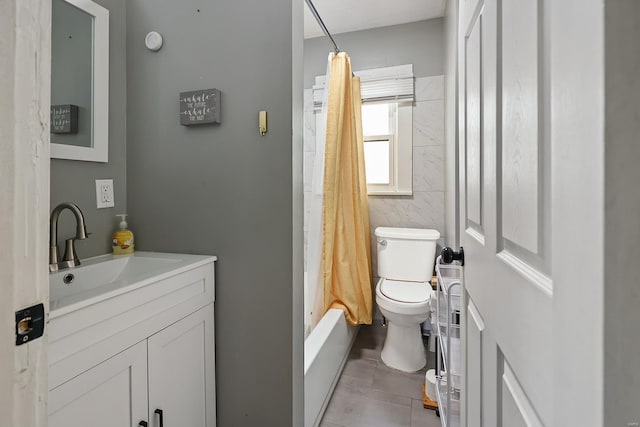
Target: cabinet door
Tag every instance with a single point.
(181, 372)
(111, 394)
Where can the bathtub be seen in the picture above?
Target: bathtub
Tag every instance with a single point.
(325, 352)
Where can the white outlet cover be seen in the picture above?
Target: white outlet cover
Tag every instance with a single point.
(104, 193)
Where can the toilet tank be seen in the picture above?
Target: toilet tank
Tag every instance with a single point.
(406, 253)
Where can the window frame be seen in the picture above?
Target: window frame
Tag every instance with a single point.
(391, 137)
(401, 150)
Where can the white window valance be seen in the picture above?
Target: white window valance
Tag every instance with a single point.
(379, 84)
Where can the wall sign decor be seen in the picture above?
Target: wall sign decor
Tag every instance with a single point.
(199, 107)
(64, 118)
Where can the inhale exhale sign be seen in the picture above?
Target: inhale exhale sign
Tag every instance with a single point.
(200, 107)
(64, 118)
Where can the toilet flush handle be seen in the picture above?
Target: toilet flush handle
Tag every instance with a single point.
(382, 242)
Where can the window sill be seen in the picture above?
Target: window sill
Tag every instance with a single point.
(391, 193)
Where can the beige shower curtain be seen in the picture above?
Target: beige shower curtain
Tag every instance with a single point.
(346, 251)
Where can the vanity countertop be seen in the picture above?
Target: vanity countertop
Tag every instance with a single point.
(107, 276)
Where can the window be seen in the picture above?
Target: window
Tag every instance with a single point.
(387, 130)
(379, 133)
(387, 101)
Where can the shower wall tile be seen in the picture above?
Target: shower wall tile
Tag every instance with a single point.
(305, 225)
(309, 131)
(306, 242)
(307, 209)
(309, 158)
(425, 209)
(431, 204)
(429, 88)
(374, 259)
(428, 168)
(308, 99)
(428, 123)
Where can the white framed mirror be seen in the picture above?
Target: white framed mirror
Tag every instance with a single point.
(79, 81)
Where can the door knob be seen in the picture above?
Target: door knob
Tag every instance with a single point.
(448, 255)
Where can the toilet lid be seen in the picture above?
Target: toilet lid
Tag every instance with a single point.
(406, 291)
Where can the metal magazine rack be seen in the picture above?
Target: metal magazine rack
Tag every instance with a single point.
(449, 360)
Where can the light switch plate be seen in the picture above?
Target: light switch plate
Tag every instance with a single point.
(104, 193)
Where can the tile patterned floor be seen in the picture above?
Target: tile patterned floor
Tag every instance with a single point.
(370, 394)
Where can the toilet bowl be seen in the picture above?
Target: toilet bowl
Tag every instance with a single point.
(405, 305)
(405, 265)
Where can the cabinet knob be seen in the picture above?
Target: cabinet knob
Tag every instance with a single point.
(448, 255)
(160, 415)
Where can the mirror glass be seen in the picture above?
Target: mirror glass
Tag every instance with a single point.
(71, 74)
(79, 80)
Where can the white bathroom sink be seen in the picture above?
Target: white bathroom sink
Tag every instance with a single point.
(110, 303)
(105, 276)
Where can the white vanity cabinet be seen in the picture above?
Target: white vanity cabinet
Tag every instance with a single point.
(175, 365)
(114, 363)
(181, 373)
(111, 394)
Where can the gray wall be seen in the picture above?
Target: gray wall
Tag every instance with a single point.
(221, 189)
(622, 214)
(418, 43)
(74, 181)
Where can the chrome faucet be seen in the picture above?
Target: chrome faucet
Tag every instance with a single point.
(70, 258)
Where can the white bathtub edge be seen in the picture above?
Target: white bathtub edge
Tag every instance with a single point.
(326, 351)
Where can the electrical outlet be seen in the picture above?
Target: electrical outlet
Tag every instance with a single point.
(104, 193)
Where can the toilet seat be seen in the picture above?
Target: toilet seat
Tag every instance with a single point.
(407, 292)
(419, 307)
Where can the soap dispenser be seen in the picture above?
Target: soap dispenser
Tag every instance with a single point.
(122, 238)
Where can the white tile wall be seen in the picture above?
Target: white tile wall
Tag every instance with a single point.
(309, 121)
(308, 99)
(309, 131)
(425, 209)
(428, 123)
(429, 88)
(428, 168)
(309, 157)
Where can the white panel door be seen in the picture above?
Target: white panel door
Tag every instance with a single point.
(505, 228)
(111, 394)
(181, 373)
(508, 198)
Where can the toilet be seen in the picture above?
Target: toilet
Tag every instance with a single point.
(405, 267)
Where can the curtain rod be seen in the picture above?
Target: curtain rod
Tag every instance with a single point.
(321, 23)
